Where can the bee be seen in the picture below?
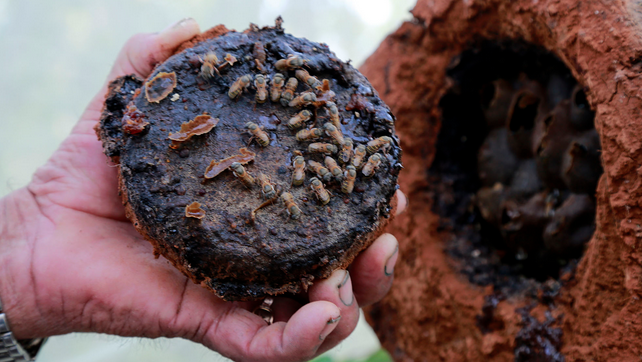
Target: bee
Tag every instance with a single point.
(237, 87)
(325, 86)
(267, 187)
(334, 132)
(276, 88)
(346, 151)
(259, 66)
(288, 93)
(372, 165)
(290, 205)
(306, 78)
(359, 156)
(303, 99)
(322, 194)
(309, 134)
(292, 62)
(261, 88)
(322, 148)
(321, 171)
(299, 171)
(209, 66)
(348, 179)
(377, 143)
(333, 112)
(239, 171)
(261, 137)
(324, 95)
(331, 164)
(298, 119)
(259, 52)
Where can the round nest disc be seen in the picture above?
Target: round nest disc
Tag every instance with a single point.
(255, 162)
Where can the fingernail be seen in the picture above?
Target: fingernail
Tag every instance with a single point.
(402, 203)
(389, 268)
(345, 290)
(330, 326)
(181, 23)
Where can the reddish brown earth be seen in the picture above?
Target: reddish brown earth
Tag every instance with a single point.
(431, 312)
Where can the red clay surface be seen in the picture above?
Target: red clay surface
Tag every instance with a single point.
(430, 313)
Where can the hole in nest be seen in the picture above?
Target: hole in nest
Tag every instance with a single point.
(516, 167)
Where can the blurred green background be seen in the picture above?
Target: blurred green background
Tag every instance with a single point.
(55, 56)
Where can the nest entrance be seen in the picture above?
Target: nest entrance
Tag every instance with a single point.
(516, 166)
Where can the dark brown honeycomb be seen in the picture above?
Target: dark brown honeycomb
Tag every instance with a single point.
(208, 172)
(517, 165)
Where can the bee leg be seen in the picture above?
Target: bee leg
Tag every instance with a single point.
(242, 183)
(285, 212)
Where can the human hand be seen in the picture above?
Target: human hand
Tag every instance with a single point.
(71, 261)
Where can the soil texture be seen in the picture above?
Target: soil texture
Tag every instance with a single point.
(591, 312)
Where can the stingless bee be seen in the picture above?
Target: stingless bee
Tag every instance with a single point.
(306, 78)
(334, 132)
(346, 151)
(259, 52)
(359, 156)
(303, 99)
(239, 171)
(325, 86)
(288, 93)
(299, 119)
(239, 85)
(321, 171)
(209, 66)
(261, 137)
(322, 194)
(377, 143)
(261, 88)
(309, 134)
(349, 177)
(331, 164)
(276, 87)
(292, 62)
(372, 165)
(290, 205)
(333, 112)
(325, 95)
(298, 176)
(267, 187)
(322, 148)
(259, 66)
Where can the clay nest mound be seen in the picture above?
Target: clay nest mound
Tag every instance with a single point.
(255, 162)
(466, 288)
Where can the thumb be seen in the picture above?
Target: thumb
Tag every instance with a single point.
(142, 52)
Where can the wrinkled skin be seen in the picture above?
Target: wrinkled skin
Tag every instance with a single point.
(70, 260)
